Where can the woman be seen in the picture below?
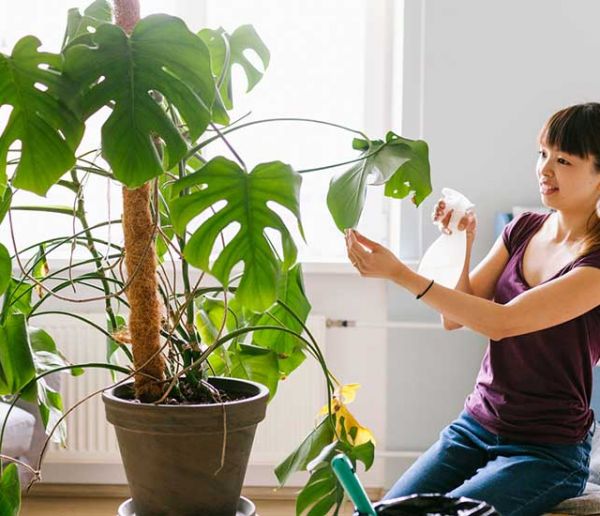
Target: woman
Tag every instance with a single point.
(522, 442)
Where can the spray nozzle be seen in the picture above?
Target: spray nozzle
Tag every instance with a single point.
(454, 201)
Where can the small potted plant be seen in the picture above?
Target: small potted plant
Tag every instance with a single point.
(204, 359)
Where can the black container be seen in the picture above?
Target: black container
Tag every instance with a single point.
(433, 504)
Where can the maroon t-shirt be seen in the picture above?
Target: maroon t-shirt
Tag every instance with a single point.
(537, 387)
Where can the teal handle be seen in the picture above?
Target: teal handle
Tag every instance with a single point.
(342, 467)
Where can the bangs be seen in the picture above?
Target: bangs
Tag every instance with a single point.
(574, 130)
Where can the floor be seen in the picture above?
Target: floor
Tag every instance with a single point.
(47, 506)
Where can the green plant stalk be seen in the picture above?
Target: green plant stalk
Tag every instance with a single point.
(81, 215)
(65, 239)
(66, 283)
(51, 276)
(96, 171)
(48, 209)
(87, 321)
(310, 336)
(236, 333)
(185, 272)
(329, 377)
(268, 120)
(83, 280)
(61, 242)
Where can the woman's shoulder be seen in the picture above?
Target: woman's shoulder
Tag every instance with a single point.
(518, 229)
(589, 259)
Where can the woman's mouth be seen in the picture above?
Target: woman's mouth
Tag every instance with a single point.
(546, 189)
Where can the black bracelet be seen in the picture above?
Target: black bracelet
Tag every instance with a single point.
(425, 291)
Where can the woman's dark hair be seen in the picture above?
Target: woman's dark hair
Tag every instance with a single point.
(576, 130)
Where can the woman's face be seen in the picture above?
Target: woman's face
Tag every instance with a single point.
(567, 182)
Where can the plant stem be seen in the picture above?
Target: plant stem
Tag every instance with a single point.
(81, 215)
(325, 167)
(268, 120)
(185, 268)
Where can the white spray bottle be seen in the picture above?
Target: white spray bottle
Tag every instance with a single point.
(445, 258)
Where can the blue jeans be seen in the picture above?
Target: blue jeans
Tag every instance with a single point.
(516, 478)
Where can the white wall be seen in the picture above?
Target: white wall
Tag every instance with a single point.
(480, 79)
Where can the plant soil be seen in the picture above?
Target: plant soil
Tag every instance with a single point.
(191, 395)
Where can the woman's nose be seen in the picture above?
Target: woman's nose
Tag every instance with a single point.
(545, 170)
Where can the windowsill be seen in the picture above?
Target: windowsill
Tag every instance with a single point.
(312, 268)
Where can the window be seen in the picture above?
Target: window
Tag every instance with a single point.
(318, 69)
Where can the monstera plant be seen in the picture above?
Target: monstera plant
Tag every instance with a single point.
(168, 91)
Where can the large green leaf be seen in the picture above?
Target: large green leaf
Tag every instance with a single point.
(315, 493)
(115, 70)
(10, 491)
(18, 297)
(310, 447)
(411, 176)
(5, 269)
(320, 485)
(289, 348)
(51, 410)
(227, 50)
(399, 163)
(326, 503)
(209, 318)
(255, 364)
(47, 357)
(291, 292)
(17, 367)
(31, 82)
(289, 363)
(363, 452)
(98, 12)
(246, 196)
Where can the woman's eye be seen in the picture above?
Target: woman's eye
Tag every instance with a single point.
(542, 153)
(563, 161)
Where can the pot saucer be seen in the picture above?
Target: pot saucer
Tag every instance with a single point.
(245, 508)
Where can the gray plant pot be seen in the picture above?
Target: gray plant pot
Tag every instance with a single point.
(171, 453)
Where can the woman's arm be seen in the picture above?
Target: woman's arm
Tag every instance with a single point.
(481, 315)
(546, 305)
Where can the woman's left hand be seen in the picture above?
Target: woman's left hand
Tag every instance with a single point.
(371, 259)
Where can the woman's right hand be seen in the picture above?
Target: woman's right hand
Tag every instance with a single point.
(467, 223)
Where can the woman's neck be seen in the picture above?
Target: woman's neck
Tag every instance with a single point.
(567, 228)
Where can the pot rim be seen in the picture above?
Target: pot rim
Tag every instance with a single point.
(109, 396)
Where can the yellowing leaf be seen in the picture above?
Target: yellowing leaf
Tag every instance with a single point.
(344, 419)
(363, 434)
(348, 392)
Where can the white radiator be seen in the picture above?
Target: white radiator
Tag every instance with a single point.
(91, 440)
